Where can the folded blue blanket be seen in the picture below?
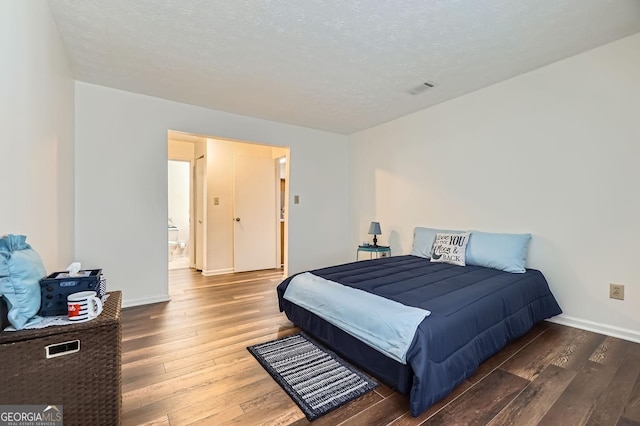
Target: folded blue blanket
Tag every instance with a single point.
(383, 324)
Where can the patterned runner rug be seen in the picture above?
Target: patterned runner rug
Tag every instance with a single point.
(315, 378)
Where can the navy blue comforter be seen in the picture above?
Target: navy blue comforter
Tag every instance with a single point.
(475, 312)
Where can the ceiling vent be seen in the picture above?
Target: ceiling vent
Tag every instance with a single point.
(422, 88)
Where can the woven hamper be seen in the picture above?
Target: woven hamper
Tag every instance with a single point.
(87, 383)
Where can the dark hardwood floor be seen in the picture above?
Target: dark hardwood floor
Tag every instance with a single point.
(185, 362)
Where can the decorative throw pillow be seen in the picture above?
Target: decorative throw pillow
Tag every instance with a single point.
(450, 248)
(423, 239)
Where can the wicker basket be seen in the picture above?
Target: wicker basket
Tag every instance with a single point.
(87, 382)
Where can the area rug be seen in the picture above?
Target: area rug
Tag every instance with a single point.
(315, 378)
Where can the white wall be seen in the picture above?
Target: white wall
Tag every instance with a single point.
(36, 118)
(181, 150)
(121, 185)
(553, 152)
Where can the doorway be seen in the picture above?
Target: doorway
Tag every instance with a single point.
(282, 196)
(215, 161)
(198, 231)
(178, 223)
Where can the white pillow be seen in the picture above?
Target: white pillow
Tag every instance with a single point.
(450, 248)
(423, 239)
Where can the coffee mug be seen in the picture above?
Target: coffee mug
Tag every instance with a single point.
(83, 306)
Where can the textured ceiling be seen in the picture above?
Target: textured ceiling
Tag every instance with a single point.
(336, 65)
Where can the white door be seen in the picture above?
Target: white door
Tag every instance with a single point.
(199, 193)
(255, 214)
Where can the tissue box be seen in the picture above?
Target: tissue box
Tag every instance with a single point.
(55, 288)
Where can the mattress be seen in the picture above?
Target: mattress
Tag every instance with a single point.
(475, 312)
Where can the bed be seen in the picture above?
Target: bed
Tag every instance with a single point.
(469, 313)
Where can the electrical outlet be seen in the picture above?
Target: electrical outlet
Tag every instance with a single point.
(616, 291)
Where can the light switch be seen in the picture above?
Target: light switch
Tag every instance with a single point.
(296, 199)
(216, 201)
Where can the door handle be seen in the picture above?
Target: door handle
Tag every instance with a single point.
(237, 219)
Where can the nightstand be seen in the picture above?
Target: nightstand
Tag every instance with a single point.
(385, 250)
(77, 366)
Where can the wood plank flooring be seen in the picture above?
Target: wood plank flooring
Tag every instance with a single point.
(185, 362)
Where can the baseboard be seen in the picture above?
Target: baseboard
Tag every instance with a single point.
(217, 272)
(145, 301)
(609, 330)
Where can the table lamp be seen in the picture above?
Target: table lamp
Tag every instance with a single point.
(374, 229)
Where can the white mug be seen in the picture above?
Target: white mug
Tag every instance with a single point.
(83, 306)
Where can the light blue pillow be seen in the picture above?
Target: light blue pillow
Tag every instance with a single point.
(505, 252)
(423, 239)
(20, 273)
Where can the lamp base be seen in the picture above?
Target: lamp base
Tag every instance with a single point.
(375, 241)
